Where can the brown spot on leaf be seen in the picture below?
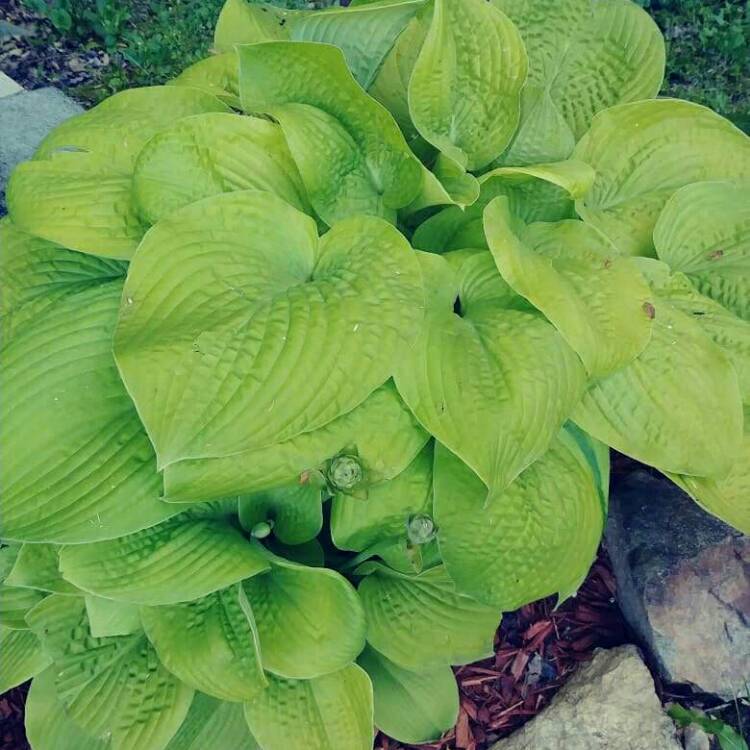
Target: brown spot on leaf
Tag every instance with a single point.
(716, 254)
(608, 262)
(650, 310)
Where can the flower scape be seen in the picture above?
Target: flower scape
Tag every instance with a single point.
(313, 358)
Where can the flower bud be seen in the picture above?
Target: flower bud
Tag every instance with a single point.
(344, 472)
(420, 529)
(262, 529)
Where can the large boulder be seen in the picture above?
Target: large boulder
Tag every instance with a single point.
(608, 704)
(682, 582)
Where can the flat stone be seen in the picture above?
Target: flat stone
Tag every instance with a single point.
(8, 86)
(682, 581)
(25, 118)
(608, 704)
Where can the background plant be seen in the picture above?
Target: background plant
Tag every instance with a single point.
(311, 359)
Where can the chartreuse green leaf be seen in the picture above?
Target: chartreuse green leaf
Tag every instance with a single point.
(210, 643)
(111, 687)
(108, 617)
(80, 200)
(473, 380)
(597, 299)
(22, 657)
(176, 561)
(295, 512)
(118, 128)
(239, 329)
(728, 497)
(310, 620)
(352, 157)
(76, 464)
(364, 33)
(704, 231)
(356, 524)
(218, 75)
(539, 536)
(637, 411)
(381, 432)
(541, 192)
(723, 327)
(35, 273)
(583, 57)
(413, 707)
(48, 725)
(213, 724)
(330, 712)
(209, 154)
(421, 622)
(643, 153)
(391, 85)
(464, 97)
(37, 567)
(242, 22)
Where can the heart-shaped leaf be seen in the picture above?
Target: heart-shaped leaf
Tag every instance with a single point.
(539, 536)
(464, 98)
(473, 380)
(412, 707)
(209, 154)
(210, 643)
(583, 57)
(328, 713)
(310, 620)
(264, 332)
(595, 298)
(421, 622)
(636, 410)
(643, 153)
(352, 157)
(704, 231)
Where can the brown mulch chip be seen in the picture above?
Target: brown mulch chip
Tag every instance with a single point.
(536, 649)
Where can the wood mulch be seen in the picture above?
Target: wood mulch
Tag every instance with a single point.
(537, 648)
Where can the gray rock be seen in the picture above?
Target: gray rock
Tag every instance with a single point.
(608, 704)
(682, 578)
(25, 118)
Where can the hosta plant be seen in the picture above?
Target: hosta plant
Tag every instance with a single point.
(312, 359)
